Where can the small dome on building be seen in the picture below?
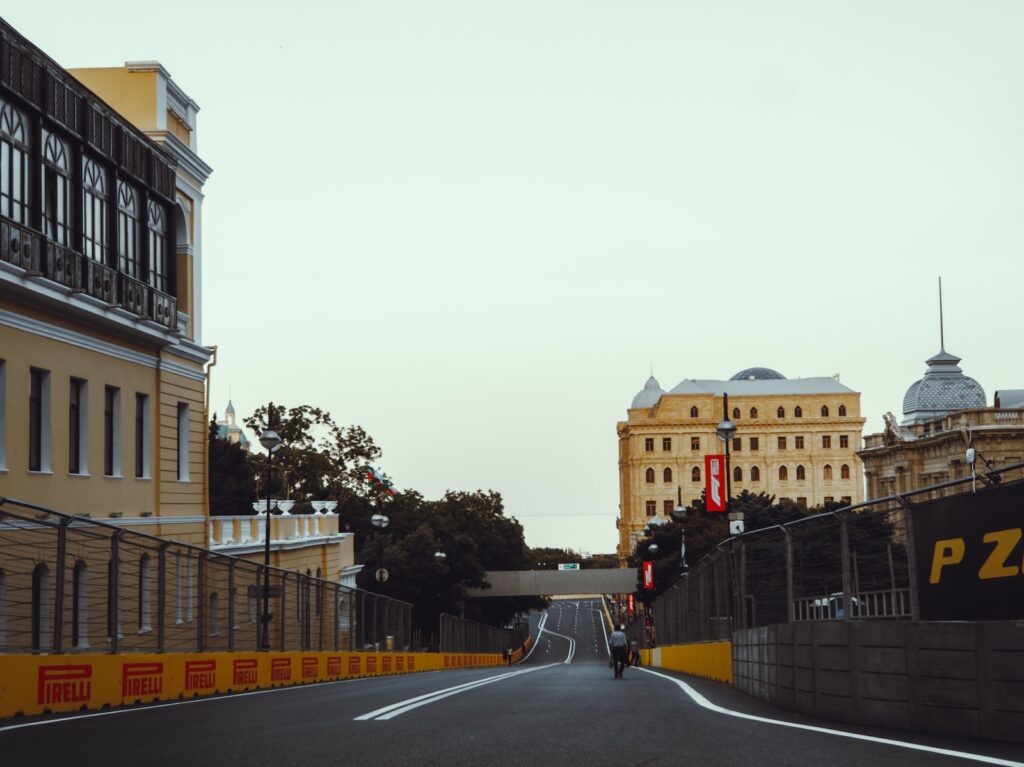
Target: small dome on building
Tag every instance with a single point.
(649, 395)
(758, 374)
(944, 389)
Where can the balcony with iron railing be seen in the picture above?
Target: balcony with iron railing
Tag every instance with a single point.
(41, 258)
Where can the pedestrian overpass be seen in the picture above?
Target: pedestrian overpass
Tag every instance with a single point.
(551, 583)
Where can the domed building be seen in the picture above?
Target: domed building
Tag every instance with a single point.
(229, 431)
(795, 438)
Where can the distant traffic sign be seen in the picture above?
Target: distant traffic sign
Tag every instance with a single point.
(569, 566)
(381, 575)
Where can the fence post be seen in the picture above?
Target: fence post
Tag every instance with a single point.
(201, 611)
(745, 623)
(284, 612)
(790, 596)
(231, 604)
(161, 596)
(114, 591)
(844, 544)
(908, 515)
(337, 618)
(58, 598)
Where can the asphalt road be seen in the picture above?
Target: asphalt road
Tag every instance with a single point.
(561, 706)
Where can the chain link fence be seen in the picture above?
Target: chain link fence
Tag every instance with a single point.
(74, 584)
(855, 563)
(461, 635)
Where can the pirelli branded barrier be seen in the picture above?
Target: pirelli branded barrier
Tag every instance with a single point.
(36, 684)
(520, 653)
(711, 660)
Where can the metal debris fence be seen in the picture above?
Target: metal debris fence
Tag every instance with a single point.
(461, 635)
(855, 563)
(74, 584)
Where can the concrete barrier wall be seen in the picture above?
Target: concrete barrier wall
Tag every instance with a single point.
(711, 660)
(36, 684)
(964, 679)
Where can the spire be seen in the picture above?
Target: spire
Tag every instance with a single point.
(942, 332)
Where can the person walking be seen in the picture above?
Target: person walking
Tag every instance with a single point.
(619, 645)
(634, 652)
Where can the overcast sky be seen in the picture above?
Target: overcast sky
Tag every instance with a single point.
(472, 227)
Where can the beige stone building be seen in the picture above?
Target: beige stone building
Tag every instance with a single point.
(795, 438)
(944, 413)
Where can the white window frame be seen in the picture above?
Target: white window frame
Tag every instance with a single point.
(83, 426)
(183, 444)
(45, 465)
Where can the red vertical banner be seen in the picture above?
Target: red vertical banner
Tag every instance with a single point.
(648, 575)
(714, 475)
(631, 604)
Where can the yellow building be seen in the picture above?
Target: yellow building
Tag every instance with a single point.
(795, 438)
(102, 368)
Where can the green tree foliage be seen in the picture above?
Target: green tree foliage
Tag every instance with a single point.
(547, 558)
(232, 485)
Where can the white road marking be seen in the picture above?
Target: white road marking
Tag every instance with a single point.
(703, 702)
(397, 709)
(572, 644)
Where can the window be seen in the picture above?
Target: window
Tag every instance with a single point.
(42, 608)
(798, 412)
(844, 440)
(651, 508)
(14, 164)
(753, 412)
(694, 443)
(735, 414)
(666, 507)
(141, 436)
(667, 475)
(826, 472)
(694, 412)
(179, 588)
(80, 606)
(649, 476)
(648, 444)
(824, 411)
(111, 431)
(800, 473)
(826, 441)
(782, 443)
(737, 474)
(780, 413)
(845, 500)
(666, 443)
(783, 473)
(829, 499)
(800, 501)
(56, 187)
(214, 617)
(78, 427)
(798, 443)
(114, 612)
(183, 447)
(39, 420)
(842, 410)
(737, 444)
(695, 474)
(128, 231)
(159, 275)
(755, 443)
(844, 471)
(145, 595)
(755, 474)
(95, 242)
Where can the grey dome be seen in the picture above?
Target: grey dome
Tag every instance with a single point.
(944, 389)
(649, 395)
(758, 374)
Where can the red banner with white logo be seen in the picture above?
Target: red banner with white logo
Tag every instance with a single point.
(648, 575)
(714, 486)
(631, 604)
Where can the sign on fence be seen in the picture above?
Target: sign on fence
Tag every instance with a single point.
(968, 551)
(714, 473)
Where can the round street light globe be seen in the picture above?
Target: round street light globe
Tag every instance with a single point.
(679, 512)
(379, 520)
(439, 555)
(652, 549)
(270, 440)
(725, 430)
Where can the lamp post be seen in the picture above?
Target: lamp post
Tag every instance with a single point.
(726, 429)
(271, 441)
(380, 521)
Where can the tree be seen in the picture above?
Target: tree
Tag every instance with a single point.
(232, 486)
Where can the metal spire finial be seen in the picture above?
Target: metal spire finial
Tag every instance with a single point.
(942, 331)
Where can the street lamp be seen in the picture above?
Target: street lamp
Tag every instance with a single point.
(726, 429)
(380, 521)
(271, 441)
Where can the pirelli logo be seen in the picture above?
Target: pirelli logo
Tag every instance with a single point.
(65, 684)
(280, 669)
(411, 664)
(244, 671)
(139, 680)
(200, 675)
(386, 664)
(400, 663)
(310, 667)
(371, 664)
(333, 665)
(354, 664)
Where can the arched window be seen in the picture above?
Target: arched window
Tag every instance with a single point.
(755, 474)
(56, 177)
(128, 231)
(737, 474)
(753, 412)
(3, 611)
(735, 414)
(800, 473)
(14, 164)
(695, 474)
(826, 471)
(80, 606)
(798, 412)
(95, 202)
(780, 413)
(844, 471)
(42, 608)
(649, 475)
(214, 618)
(667, 475)
(159, 275)
(842, 410)
(694, 412)
(179, 588)
(824, 411)
(145, 594)
(783, 473)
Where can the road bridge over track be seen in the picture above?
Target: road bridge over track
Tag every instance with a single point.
(521, 583)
